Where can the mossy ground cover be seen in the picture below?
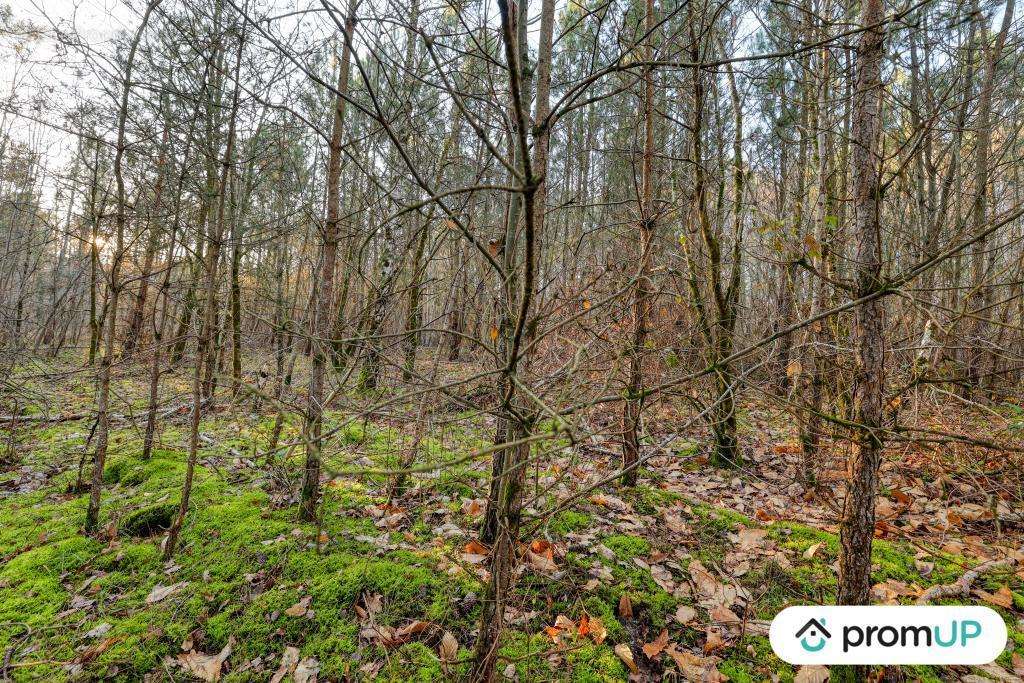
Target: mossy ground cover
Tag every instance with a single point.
(73, 606)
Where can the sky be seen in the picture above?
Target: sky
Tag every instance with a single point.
(39, 83)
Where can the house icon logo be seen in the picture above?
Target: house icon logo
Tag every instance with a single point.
(813, 636)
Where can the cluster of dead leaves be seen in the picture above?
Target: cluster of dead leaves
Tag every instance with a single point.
(694, 667)
(203, 666)
(588, 627)
(538, 555)
(390, 637)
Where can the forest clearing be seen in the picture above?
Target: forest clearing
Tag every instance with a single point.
(350, 340)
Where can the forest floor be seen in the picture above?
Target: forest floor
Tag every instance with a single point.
(681, 574)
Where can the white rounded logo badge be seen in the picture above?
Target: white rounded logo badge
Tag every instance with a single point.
(890, 634)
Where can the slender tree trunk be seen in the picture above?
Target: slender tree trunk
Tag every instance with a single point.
(131, 341)
(92, 515)
(322, 318)
(857, 524)
(643, 290)
(204, 355)
(510, 462)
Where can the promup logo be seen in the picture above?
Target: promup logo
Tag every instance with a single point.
(816, 633)
(888, 635)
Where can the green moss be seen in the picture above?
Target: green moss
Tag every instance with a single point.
(568, 521)
(627, 547)
(414, 662)
(758, 663)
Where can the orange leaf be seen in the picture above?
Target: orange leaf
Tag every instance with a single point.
(475, 547)
(657, 646)
(584, 628)
(542, 547)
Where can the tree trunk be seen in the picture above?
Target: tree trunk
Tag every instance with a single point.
(643, 290)
(322, 318)
(92, 515)
(857, 525)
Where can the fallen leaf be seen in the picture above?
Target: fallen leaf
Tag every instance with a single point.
(750, 539)
(412, 628)
(99, 630)
(685, 614)
(448, 650)
(540, 562)
(723, 615)
(663, 577)
(1001, 598)
(713, 641)
(543, 548)
(289, 661)
(696, 668)
(625, 607)
(473, 506)
(474, 552)
(96, 650)
(809, 553)
(206, 667)
(1018, 664)
(306, 671)
(656, 646)
(160, 592)
(811, 674)
(626, 655)
(597, 630)
(300, 608)
(565, 623)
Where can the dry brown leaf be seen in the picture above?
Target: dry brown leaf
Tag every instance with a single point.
(811, 674)
(543, 548)
(448, 650)
(673, 521)
(1018, 664)
(685, 614)
(596, 630)
(412, 628)
(565, 623)
(206, 667)
(656, 646)
(1001, 598)
(307, 671)
(96, 650)
(723, 615)
(475, 547)
(160, 592)
(475, 552)
(663, 577)
(714, 641)
(749, 539)
(540, 562)
(625, 607)
(694, 667)
(289, 661)
(626, 655)
(810, 552)
(300, 608)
